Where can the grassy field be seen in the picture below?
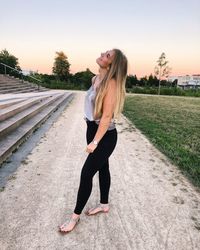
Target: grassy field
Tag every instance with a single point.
(172, 124)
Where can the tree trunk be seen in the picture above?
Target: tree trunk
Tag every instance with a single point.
(159, 81)
(159, 87)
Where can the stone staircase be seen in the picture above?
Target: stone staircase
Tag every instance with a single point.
(9, 84)
(21, 114)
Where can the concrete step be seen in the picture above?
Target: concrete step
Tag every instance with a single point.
(11, 96)
(33, 90)
(18, 107)
(8, 103)
(7, 81)
(18, 90)
(25, 83)
(12, 141)
(11, 82)
(7, 86)
(42, 89)
(14, 85)
(25, 91)
(13, 122)
(8, 78)
(10, 85)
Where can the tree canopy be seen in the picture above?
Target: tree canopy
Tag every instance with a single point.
(8, 59)
(61, 66)
(162, 69)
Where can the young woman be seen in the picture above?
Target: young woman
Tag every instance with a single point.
(103, 104)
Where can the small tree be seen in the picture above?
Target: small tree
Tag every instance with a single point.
(61, 66)
(162, 69)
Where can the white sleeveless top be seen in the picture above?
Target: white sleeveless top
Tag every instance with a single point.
(89, 107)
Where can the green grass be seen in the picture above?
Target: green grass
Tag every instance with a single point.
(172, 124)
(164, 90)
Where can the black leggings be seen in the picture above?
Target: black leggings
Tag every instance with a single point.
(96, 161)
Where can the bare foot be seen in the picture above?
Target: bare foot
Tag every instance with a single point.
(99, 208)
(69, 226)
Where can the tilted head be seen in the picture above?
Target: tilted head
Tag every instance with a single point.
(116, 64)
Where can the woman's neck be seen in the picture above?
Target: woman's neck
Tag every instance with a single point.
(102, 73)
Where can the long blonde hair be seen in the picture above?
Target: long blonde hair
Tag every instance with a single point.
(118, 71)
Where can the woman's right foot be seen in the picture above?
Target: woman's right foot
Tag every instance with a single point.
(100, 208)
(69, 226)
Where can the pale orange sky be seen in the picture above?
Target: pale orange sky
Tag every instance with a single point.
(84, 29)
(140, 67)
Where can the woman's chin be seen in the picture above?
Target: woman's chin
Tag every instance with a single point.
(97, 61)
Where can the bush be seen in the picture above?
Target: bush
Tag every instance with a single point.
(62, 85)
(165, 91)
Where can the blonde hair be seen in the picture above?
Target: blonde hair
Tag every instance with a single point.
(117, 71)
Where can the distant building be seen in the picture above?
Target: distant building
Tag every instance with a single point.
(28, 72)
(187, 81)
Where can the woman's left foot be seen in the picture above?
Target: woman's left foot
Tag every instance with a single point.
(69, 226)
(99, 208)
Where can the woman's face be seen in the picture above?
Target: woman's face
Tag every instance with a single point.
(105, 59)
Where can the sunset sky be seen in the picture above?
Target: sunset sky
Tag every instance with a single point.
(34, 30)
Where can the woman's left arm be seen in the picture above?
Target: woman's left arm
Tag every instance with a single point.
(109, 103)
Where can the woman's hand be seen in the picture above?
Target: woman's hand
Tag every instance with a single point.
(91, 147)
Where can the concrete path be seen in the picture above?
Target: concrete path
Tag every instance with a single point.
(152, 206)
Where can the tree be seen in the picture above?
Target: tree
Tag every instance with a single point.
(162, 69)
(9, 60)
(152, 81)
(83, 78)
(61, 66)
(174, 83)
(144, 81)
(131, 81)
